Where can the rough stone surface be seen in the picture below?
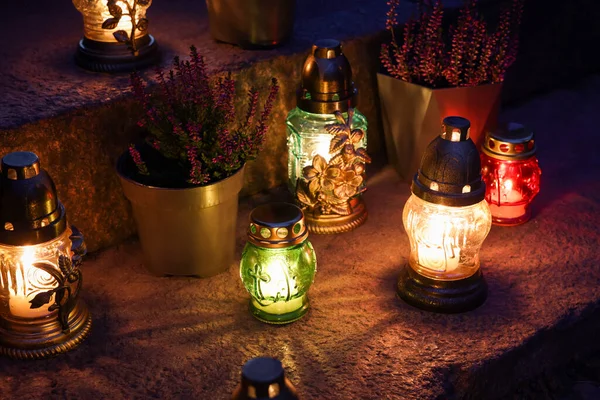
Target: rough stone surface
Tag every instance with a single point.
(183, 338)
(576, 380)
(84, 121)
(79, 122)
(40, 80)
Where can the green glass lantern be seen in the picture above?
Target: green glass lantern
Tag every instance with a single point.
(327, 140)
(278, 263)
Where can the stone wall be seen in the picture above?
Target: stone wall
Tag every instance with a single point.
(80, 147)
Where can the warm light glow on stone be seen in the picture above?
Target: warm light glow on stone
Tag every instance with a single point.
(307, 138)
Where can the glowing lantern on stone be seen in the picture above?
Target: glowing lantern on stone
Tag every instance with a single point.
(278, 263)
(327, 139)
(264, 378)
(447, 219)
(40, 312)
(511, 173)
(116, 35)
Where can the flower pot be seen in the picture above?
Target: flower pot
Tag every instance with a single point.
(412, 115)
(188, 231)
(251, 23)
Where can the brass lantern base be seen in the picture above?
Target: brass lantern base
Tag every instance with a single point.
(271, 315)
(334, 223)
(28, 339)
(116, 57)
(441, 296)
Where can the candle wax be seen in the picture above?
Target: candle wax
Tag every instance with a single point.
(507, 208)
(436, 259)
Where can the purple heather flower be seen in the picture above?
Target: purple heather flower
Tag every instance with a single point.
(189, 118)
(137, 159)
(196, 175)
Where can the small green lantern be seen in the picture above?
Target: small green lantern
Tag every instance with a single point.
(278, 263)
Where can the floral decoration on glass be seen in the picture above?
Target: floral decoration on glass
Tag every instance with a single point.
(137, 26)
(116, 36)
(328, 187)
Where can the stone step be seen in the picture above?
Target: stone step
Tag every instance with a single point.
(185, 338)
(79, 122)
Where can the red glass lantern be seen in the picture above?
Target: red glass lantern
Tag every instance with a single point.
(511, 173)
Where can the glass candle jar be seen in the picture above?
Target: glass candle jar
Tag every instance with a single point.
(447, 220)
(96, 12)
(116, 35)
(511, 172)
(444, 240)
(327, 139)
(40, 279)
(27, 271)
(278, 263)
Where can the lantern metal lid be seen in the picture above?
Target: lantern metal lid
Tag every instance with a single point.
(30, 212)
(327, 84)
(264, 378)
(510, 141)
(277, 225)
(450, 172)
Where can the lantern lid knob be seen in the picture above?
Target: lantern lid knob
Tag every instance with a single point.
(455, 129)
(510, 141)
(264, 378)
(450, 171)
(263, 370)
(20, 165)
(326, 81)
(277, 225)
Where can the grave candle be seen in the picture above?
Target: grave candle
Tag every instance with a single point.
(511, 172)
(278, 263)
(446, 219)
(40, 311)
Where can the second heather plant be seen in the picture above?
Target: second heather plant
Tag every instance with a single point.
(193, 138)
(469, 53)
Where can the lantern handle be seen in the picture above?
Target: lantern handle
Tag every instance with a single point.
(78, 247)
(65, 296)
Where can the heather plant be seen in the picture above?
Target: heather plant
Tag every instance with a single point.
(193, 138)
(468, 53)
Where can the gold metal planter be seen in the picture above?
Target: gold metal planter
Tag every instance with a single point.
(187, 231)
(412, 115)
(251, 23)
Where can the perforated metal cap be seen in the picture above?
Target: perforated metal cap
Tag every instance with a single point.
(30, 212)
(510, 141)
(277, 225)
(450, 172)
(326, 84)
